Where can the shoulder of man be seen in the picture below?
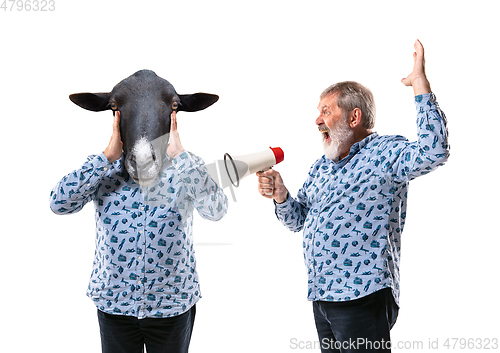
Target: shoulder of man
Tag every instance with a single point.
(390, 138)
(387, 141)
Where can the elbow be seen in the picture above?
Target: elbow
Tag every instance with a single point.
(442, 158)
(213, 216)
(445, 158)
(57, 208)
(220, 213)
(215, 213)
(54, 204)
(445, 151)
(222, 210)
(218, 217)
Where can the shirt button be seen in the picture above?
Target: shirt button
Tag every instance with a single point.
(139, 258)
(105, 168)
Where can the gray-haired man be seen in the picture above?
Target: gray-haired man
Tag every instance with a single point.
(352, 210)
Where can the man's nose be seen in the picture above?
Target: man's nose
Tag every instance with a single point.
(320, 121)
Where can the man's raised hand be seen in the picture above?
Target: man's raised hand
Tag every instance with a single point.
(417, 78)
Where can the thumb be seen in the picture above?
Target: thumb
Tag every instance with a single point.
(270, 172)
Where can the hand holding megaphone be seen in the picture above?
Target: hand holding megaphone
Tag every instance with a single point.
(272, 190)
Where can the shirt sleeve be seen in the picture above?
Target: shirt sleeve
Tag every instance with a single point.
(207, 197)
(79, 187)
(431, 149)
(293, 212)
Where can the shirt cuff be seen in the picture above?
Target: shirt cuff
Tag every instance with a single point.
(101, 157)
(101, 163)
(426, 101)
(100, 166)
(183, 162)
(284, 205)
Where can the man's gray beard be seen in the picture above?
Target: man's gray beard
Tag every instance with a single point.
(339, 135)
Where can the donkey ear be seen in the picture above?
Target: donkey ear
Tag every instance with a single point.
(196, 101)
(91, 101)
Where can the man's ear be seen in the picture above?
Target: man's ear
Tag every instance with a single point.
(95, 102)
(196, 101)
(354, 118)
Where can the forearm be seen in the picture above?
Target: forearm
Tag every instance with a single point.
(291, 213)
(207, 197)
(76, 189)
(432, 148)
(432, 129)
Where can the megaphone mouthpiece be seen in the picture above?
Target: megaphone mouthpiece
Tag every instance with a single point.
(279, 155)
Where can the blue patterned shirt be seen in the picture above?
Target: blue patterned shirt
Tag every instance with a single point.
(144, 263)
(353, 212)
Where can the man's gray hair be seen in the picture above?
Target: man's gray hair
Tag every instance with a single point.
(351, 95)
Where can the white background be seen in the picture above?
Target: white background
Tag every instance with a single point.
(268, 61)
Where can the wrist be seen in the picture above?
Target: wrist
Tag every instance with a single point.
(280, 200)
(421, 86)
(174, 154)
(110, 156)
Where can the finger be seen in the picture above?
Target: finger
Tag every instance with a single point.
(266, 187)
(116, 123)
(264, 174)
(264, 180)
(419, 54)
(173, 121)
(406, 81)
(266, 192)
(419, 48)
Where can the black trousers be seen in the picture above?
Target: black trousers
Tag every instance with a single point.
(360, 325)
(127, 334)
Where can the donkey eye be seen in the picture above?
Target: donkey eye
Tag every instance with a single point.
(175, 105)
(113, 105)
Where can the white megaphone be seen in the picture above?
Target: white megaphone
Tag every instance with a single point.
(239, 167)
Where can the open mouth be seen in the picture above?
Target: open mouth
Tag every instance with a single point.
(324, 132)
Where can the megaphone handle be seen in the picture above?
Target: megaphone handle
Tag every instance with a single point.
(272, 182)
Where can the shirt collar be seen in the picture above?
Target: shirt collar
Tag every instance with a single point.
(355, 148)
(360, 144)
